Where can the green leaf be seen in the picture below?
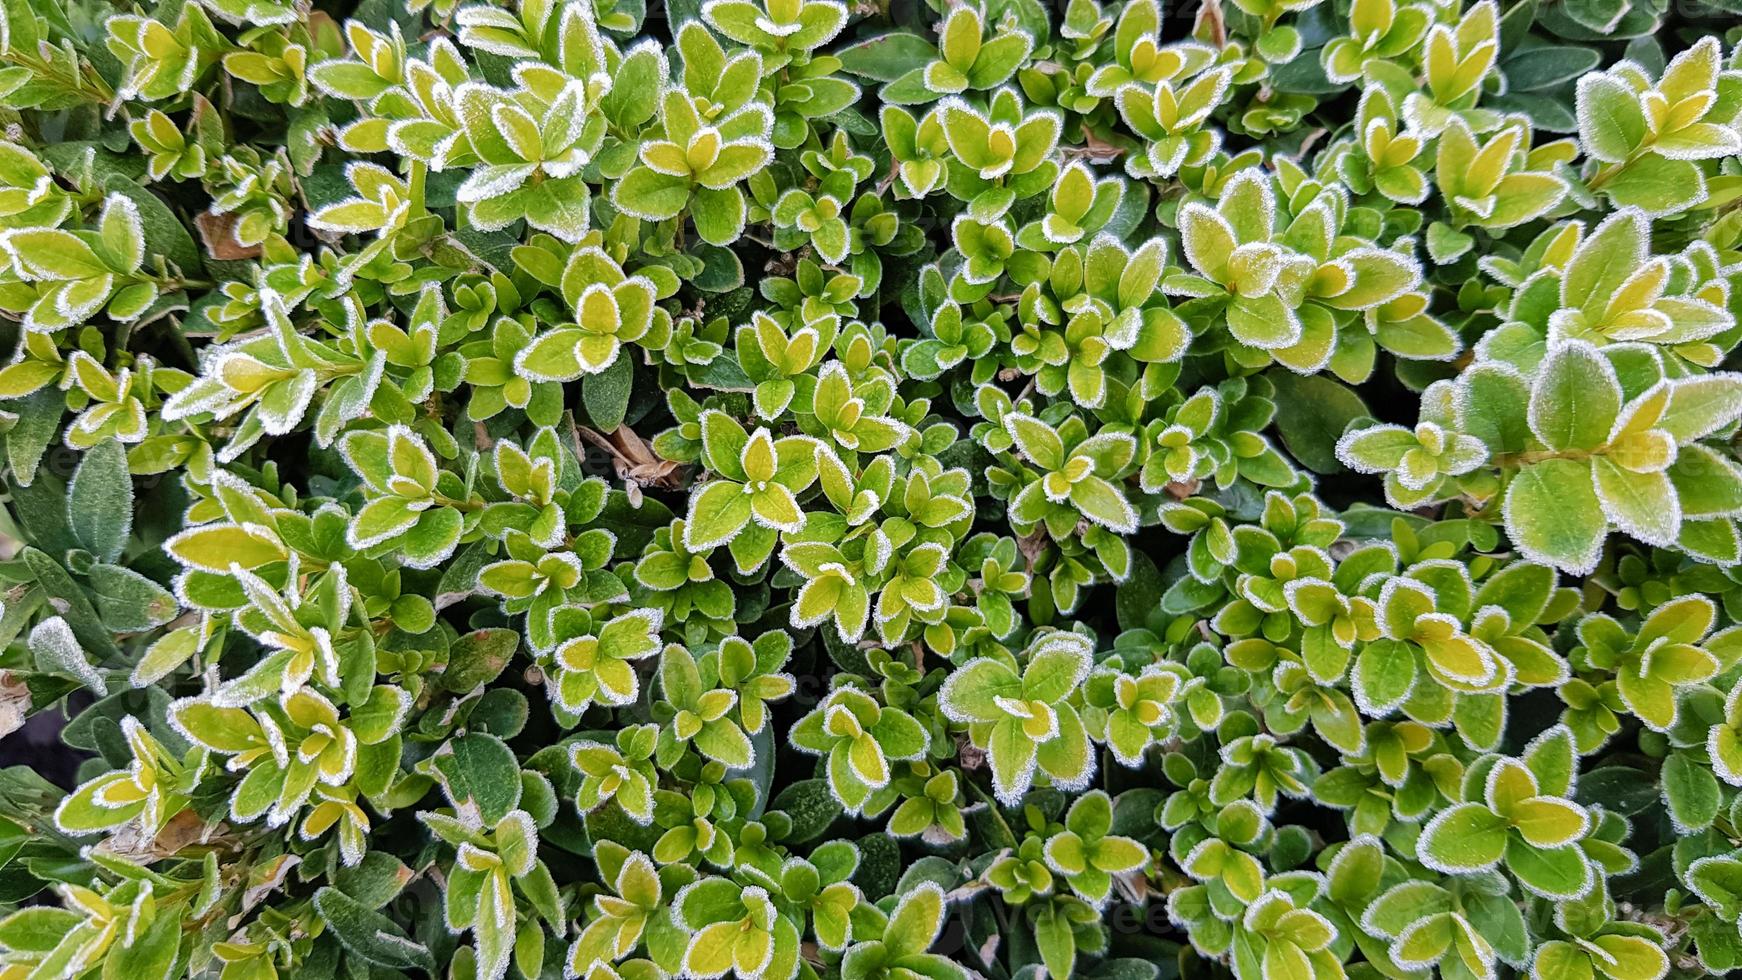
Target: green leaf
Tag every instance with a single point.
(1463, 837)
(370, 935)
(164, 233)
(1492, 405)
(1644, 505)
(482, 770)
(78, 611)
(1312, 412)
(1691, 792)
(1575, 399)
(478, 658)
(216, 547)
(719, 214)
(1547, 66)
(1555, 872)
(606, 394)
(1611, 123)
(39, 417)
(1604, 261)
(128, 602)
(100, 501)
(1056, 941)
(1036, 440)
(718, 511)
(1657, 185)
(916, 921)
(1553, 515)
(1011, 753)
(150, 956)
(648, 194)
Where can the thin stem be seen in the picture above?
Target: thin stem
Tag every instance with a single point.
(419, 170)
(461, 505)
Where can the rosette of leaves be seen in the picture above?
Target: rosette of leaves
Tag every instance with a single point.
(1415, 614)
(151, 790)
(251, 193)
(530, 148)
(1615, 949)
(1287, 295)
(1382, 156)
(1130, 713)
(622, 773)
(536, 580)
(633, 911)
(720, 81)
(1023, 874)
(1416, 462)
(1684, 315)
(937, 813)
(1456, 58)
(276, 61)
(1171, 115)
(758, 477)
(1086, 854)
(65, 276)
(919, 149)
(1453, 928)
(1067, 475)
(299, 752)
(161, 61)
(1668, 654)
(1645, 137)
(530, 478)
(1022, 719)
(859, 739)
(592, 663)
(965, 59)
(902, 559)
(852, 418)
(696, 165)
(911, 928)
(956, 335)
(496, 868)
(1580, 453)
(810, 292)
(126, 922)
(698, 711)
(1282, 927)
(29, 200)
(819, 219)
(1138, 56)
(783, 31)
(1512, 820)
(1387, 780)
(1001, 154)
(682, 584)
(804, 96)
(272, 381)
(414, 506)
(112, 403)
(1379, 30)
(1097, 303)
(611, 308)
(410, 101)
(1502, 181)
(780, 363)
(1078, 206)
(1216, 434)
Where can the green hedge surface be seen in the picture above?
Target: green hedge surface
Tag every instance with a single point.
(889, 490)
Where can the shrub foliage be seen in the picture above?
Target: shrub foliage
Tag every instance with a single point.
(775, 488)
